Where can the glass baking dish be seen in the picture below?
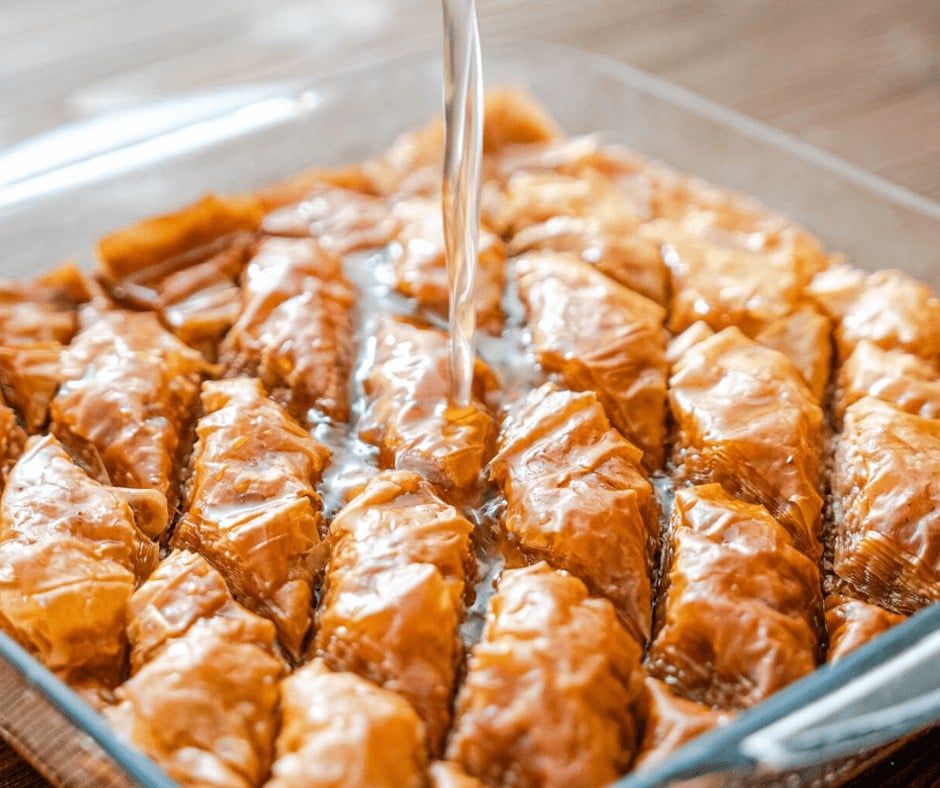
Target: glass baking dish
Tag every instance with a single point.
(48, 213)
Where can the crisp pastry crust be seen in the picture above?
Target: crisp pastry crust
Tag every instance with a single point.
(407, 414)
(746, 420)
(742, 606)
(294, 330)
(887, 532)
(126, 405)
(71, 554)
(45, 309)
(420, 266)
(202, 698)
(670, 722)
(803, 337)
(888, 308)
(599, 336)
(251, 505)
(550, 693)
(29, 378)
(852, 623)
(393, 596)
(905, 381)
(577, 496)
(339, 730)
(340, 220)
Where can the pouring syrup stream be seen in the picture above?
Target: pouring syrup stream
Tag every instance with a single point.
(460, 204)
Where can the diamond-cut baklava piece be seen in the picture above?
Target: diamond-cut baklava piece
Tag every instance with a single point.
(407, 413)
(578, 497)
(551, 688)
(742, 606)
(294, 330)
(70, 556)
(599, 336)
(888, 308)
(339, 730)
(45, 309)
(887, 535)
(747, 420)
(851, 623)
(901, 379)
(420, 266)
(393, 597)
(203, 693)
(671, 721)
(251, 505)
(29, 377)
(126, 404)
(340, 220)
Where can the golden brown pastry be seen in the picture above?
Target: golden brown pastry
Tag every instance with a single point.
(142, 249)
(852, 623)
(12, 440)
(43, 310)
(577, 496)
(393, 597)
(340, 731)
(741, 609)
(71, 554)
(251, 505)
(884, 483)
(599, 336)
(420, 266)
(125, 408)
(407, 413)
(747, 420)
(29, 378)
(203, 694)
(804, 337)
(340, 220)
(629, 258)
(901, 379)
(294, 331)
(888, 308)
(727, 281)
(550, 693)
(670, 722)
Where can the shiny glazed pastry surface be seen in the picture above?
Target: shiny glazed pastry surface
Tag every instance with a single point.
(241, 519)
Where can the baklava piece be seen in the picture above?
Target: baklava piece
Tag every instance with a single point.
(888, 308)
(294, 329)
(670, 722)
(729, 284)
(577, 496)
(45, 309)
(393, 598)
(251, 505)
(804, 337)
(901, 379)
(29, 378)
(202, 698)
(339, 730)
(340, 220)
(742, 607)
(126, 405)
(599, 336)
(407, 412)
(420, 266)
(72, 555)
(551, 688)
(852, 623)
(887, 535)
(746, 420)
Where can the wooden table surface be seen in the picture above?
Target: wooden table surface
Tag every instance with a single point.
(860, 78)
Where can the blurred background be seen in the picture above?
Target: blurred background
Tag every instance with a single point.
(860, 78)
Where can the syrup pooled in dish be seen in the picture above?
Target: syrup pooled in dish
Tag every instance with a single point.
(669, 378)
